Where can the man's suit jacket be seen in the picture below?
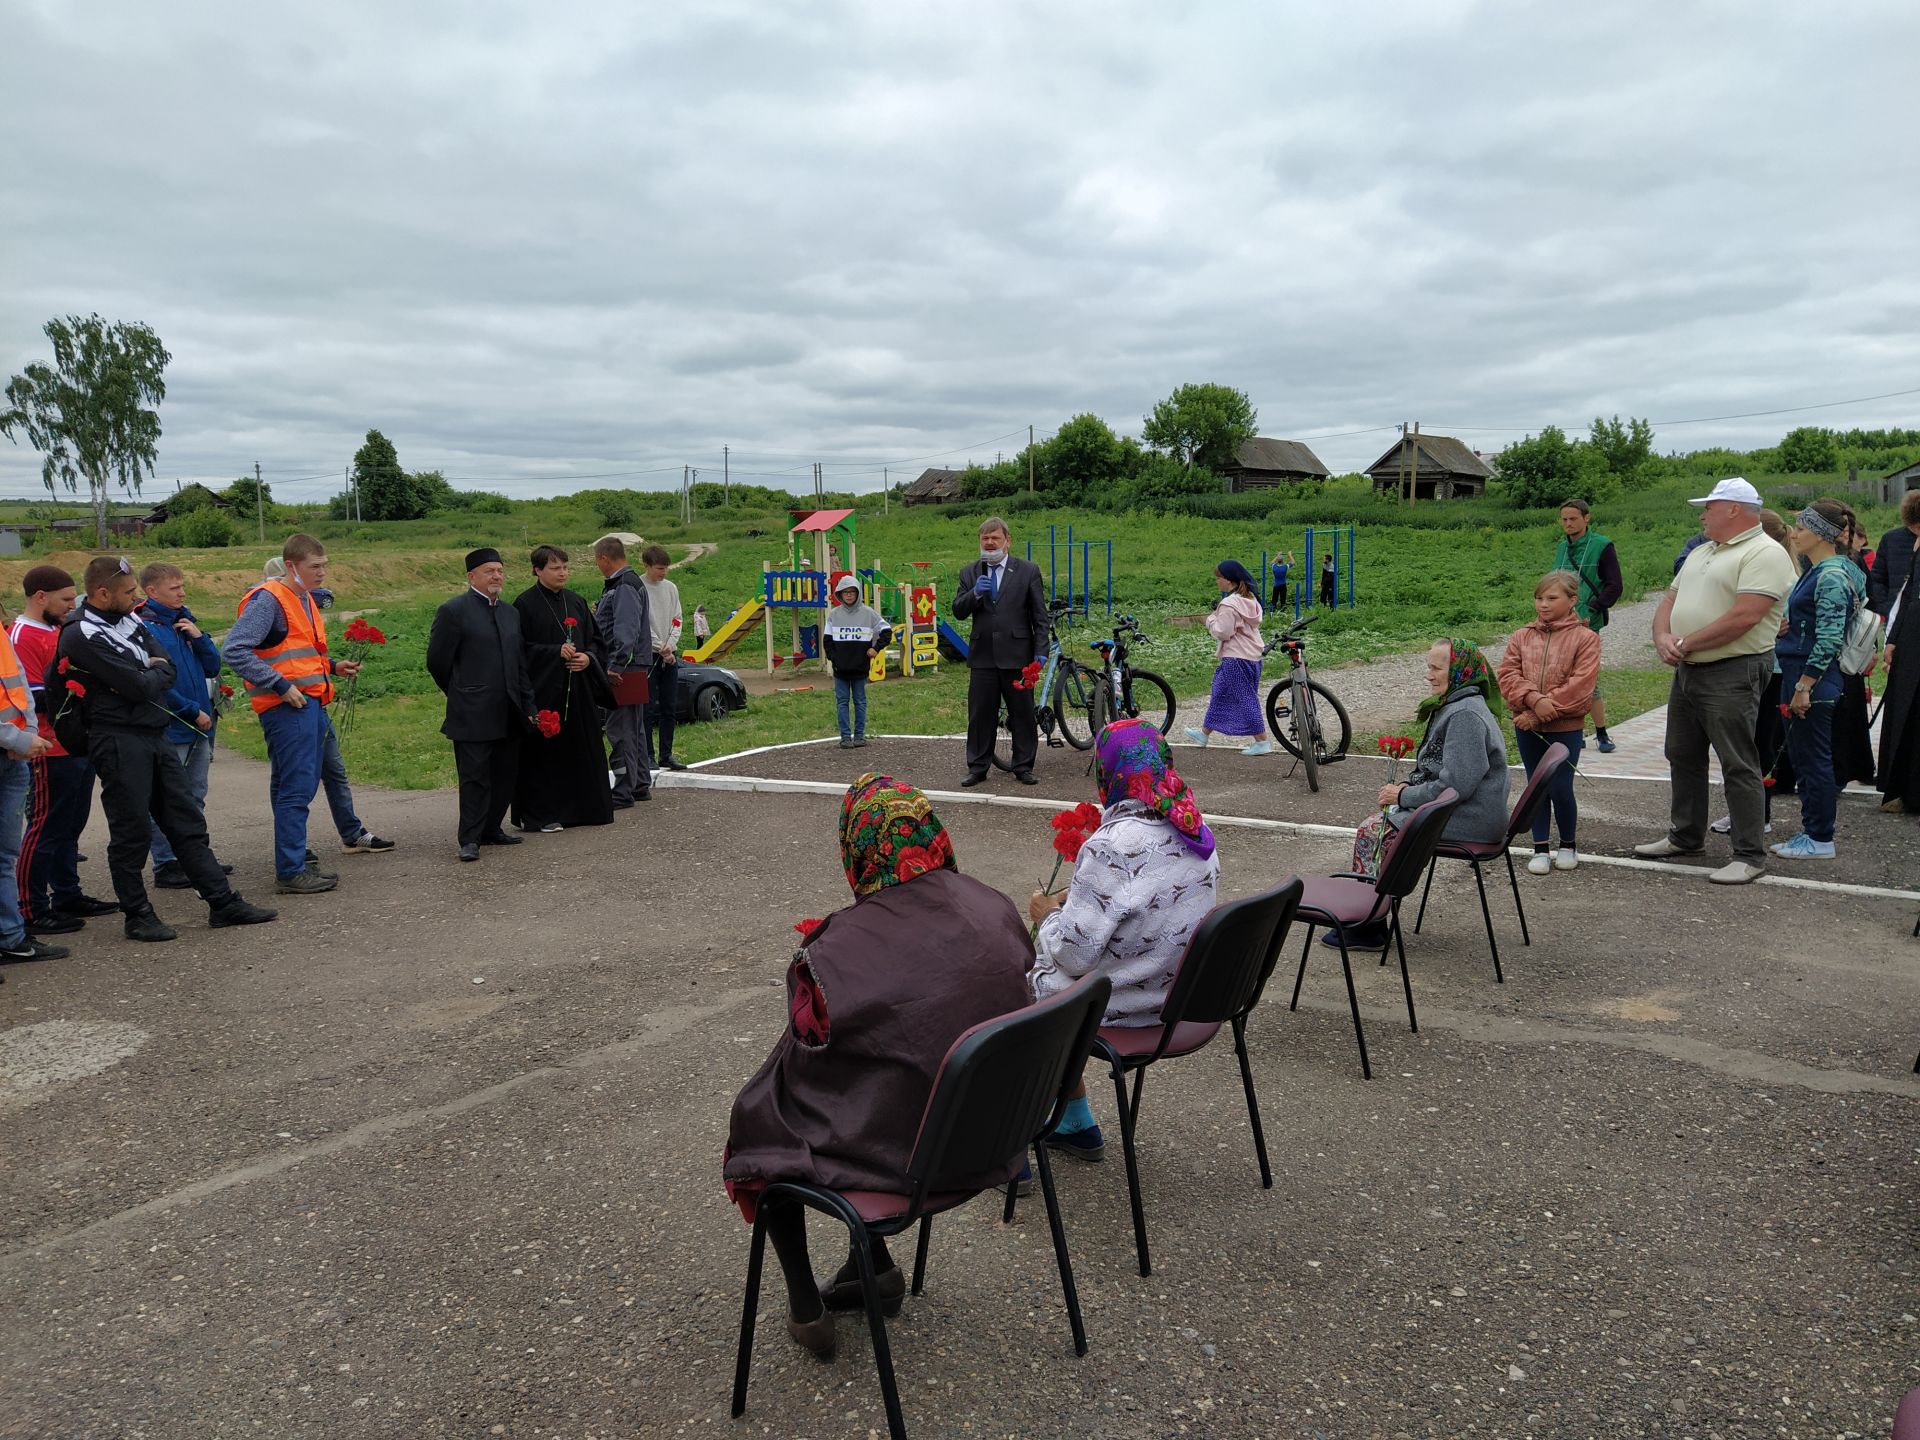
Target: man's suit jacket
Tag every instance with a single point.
(474, 655)
(1008, 629)
(1892, 560)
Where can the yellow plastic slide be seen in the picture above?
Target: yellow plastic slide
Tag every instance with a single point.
(743, 621)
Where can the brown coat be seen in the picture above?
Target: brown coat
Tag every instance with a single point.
(1561, 662)
(900, 975)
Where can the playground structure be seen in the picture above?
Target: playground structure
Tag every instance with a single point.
(1061, 547)
(1304, 578)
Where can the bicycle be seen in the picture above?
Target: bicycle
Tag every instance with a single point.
(1298, 707)
(1068, 688)
(1137, 690)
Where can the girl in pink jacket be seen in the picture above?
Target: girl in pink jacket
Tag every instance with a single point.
(1547, 678)
(1233, 709)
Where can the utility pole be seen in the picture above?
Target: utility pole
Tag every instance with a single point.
(1030, 459)
(259, 503)
(886, 488)
(726, 475)
(683, 494)
(1416, 462)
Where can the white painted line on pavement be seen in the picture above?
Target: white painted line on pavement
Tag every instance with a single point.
(765, 785)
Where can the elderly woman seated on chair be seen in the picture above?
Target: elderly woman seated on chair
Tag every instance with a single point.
(877, 994)
(1462, 749)
(1141, 885)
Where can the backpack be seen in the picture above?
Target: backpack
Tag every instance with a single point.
(1862, 648)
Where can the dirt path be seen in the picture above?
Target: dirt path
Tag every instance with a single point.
(698, 550)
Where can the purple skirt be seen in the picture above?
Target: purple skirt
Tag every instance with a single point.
(1234, 706)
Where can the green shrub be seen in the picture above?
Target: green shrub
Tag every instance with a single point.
(196, 530)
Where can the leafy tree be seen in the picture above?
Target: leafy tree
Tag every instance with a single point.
(1808, 451)
(88, 413)
(612, 508)
(1201, 424)
(199, 529)
(994, 482)
(1542, 470)
(242, 499)
(432, 492)
(386, 491)
(1628, 449)
(1083, 456)
(1162, 477)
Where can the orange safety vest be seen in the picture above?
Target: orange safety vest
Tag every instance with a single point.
(301, 658)
(14, 695)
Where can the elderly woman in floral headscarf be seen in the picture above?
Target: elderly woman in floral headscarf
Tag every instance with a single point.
(1141, 886)
(876, 994)
(1462, 749)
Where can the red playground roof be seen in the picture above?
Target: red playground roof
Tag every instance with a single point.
(820, 520)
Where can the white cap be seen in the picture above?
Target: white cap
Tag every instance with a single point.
(1733, 488)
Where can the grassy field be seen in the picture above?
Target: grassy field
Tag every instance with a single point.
(1438, 568)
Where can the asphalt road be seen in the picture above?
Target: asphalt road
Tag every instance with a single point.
(438, 1154)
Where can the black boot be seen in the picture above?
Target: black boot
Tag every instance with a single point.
(149, 926)
(236, 911)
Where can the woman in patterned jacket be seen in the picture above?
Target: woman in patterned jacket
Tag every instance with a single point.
(1140, 888)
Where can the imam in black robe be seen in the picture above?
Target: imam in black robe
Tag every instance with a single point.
(563, 781)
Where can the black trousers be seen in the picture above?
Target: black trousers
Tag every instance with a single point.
(663, 691)
(985, 690)
(143, 783)
(57, 811)
(487, 770)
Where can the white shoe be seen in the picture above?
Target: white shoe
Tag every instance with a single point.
(1540, 864)
(1198, 737)
(1259, 747)
(1567, 859)
(553, 829)
(1724, 826)
(1661, 849)
(1736, 872)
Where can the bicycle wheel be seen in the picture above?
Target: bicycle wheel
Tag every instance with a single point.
(1101, 710)
(1073, 690)
(1002, 741)
(1328, 720)
(1149, 698)
(1305, 744)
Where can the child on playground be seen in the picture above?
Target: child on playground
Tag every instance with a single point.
(855, 633)
(1547, 678)
(1234, 706)
(702, 630)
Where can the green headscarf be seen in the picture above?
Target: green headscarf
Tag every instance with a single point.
(1467, 669)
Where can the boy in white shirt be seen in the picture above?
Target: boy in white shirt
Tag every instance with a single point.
(663, 677)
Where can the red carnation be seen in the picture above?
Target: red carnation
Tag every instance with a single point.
(571, 622)
(1768, 782)
(1067, 844)
(66, 663)
(1089, 815)
(74, 687)
(548, 723)
(805, 927)
(1029, 676)
(1786, 711)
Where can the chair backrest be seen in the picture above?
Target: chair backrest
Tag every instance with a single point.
(1415, 845)
(1001, 1084)
(1229, 958)
(1534, 793)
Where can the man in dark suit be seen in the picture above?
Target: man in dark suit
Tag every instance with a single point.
(1894, 557)
(1007, 601)
(474, 656)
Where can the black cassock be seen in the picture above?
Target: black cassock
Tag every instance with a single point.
(563, 781)
(1900, 713)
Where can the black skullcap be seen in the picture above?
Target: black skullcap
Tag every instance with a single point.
(477, 558)
(45, 577)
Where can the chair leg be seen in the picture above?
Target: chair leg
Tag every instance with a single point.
(920, 1254)
(1045, 1167)
(1513, 879)
(751, 1308)
(1304, 948)
(1013, 1189)
(1353, 1001)
(1486, 914)
(1133, 1169)
(1406, 981)
(876, 1323)
(1424, 891)
(1253, 1105)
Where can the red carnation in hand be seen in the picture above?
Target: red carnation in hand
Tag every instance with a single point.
(1029, 676)
(1067, 844)
(1089, 815)
(805, 927)
(1768, 782)
(548, 723)
(74, 687)
(66, 663)
(572, 622)
(1786, 712)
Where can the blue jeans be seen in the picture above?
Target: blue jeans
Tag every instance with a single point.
(851, 692)
(1810, 747)
(197, 756)
(15, 779)
(333, 779)
(296, 740)
(1533, 748)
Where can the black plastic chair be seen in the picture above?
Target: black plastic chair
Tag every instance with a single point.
(1221, 978)
(1533, 796)
(1002, 1087)
(1349, 899)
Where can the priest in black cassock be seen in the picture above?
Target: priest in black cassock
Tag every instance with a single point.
(563, 780)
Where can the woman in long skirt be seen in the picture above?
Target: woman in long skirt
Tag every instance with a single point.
(1234, 707)
(563, 777)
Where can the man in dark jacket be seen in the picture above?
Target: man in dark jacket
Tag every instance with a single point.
(1006, 599)
(1893, 559)
(196, 660)
(474, 656)
(122, 678)
(626, 631)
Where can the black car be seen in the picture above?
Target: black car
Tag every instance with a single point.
(707, 692)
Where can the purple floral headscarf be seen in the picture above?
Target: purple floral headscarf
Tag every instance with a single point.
(1135, 764)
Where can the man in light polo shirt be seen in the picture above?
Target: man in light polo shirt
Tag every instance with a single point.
(1716, 627)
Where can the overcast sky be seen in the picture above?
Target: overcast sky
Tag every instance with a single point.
(537, 244)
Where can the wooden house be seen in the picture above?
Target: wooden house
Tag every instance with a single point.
(1430, 467)
(934, 487)
(1264, 464)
